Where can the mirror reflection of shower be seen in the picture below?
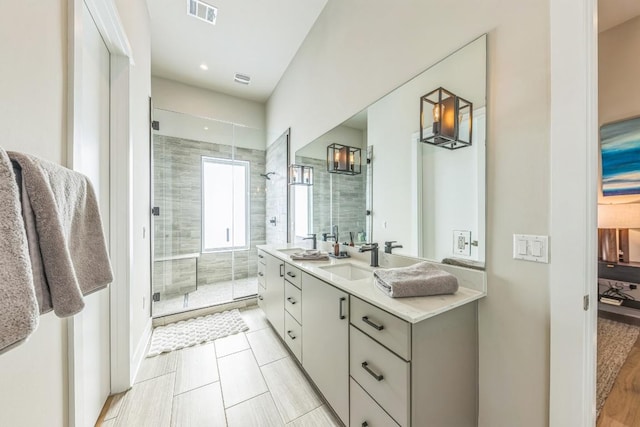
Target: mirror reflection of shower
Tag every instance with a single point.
(209, 189)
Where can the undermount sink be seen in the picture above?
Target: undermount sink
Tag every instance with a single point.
(348, 271)
(290, 251)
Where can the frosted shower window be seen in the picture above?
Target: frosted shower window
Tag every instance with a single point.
(225, 204)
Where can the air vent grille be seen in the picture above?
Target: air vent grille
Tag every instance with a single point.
(202, 11)
(242, 78)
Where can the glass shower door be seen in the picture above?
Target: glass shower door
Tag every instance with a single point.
(208, 212)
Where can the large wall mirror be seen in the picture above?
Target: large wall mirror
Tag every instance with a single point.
(428, 198)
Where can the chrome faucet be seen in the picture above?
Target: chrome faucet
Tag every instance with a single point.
(373, 248)
(315, 240)
(335, 232)
(388, 246)
(326, 236)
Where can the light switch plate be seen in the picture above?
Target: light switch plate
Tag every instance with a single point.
(462, 242)
(531, 248)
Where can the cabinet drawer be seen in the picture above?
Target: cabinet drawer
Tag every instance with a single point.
(261, 258)
(293, 335)
(261, 298)
(261, 275)
(365, 411)
(292, 275)
(382, 374)
(293, 301)
(390, 331)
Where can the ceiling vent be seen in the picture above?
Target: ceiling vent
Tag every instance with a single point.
(202, 11)
(242, 78)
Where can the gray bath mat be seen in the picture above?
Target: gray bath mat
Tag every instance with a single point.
(187, 333)
(615, 341)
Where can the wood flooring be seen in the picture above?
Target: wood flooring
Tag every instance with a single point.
(622, 407)
(244, 380)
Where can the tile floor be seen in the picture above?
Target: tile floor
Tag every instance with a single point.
(243, 380)
(207, 295)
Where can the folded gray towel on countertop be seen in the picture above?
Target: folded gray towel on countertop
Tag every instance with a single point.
(18, 305)
(309, 255)
(66, 242)
(461, 262)
(421, 279)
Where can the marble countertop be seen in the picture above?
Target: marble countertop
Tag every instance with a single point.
(472, 285)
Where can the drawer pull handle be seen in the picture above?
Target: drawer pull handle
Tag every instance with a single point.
(260, 256)
(260, 274)
(342, 316)
(290, 274)
(293, 337)
(378, 377)
(291, 300)
(366, 320)
(281, 270)
(260, 297)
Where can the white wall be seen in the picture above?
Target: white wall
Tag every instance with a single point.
(33, 35)
(341, 135)
(182, 98)
(196, 128)
(618, 93)
(136, 22)
(329, 80)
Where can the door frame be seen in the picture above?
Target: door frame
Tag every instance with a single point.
(573, 210)
(110, 27)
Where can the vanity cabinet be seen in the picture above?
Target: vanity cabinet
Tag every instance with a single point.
(262, 284)
(325, 347)
(293, 310)
(421, 374)
(273, 293)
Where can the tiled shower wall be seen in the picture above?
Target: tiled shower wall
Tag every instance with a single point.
(277, 189)
(177, 174)
(337, 199)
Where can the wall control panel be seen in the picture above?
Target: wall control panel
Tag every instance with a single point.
(531, 248)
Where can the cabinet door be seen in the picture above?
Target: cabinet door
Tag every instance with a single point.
(325, 347)
(273, 302)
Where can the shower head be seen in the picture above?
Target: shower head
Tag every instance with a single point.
(266, 175)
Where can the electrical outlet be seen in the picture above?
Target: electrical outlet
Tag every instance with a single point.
(462, 242)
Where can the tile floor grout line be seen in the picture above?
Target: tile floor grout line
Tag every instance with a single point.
(153, 378)
(224, 410)
(246, 400)
(284, 423)
(306, 413)
(197, 388)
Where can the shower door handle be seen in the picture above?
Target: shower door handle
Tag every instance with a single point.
(227, 234)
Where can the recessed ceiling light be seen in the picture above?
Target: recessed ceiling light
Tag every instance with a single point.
(242, 79)
(206, 128)
(204, 67)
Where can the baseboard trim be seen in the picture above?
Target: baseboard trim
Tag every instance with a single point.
(141, 350)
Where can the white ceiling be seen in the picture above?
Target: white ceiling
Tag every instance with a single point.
(615, 12)
(252, 37)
